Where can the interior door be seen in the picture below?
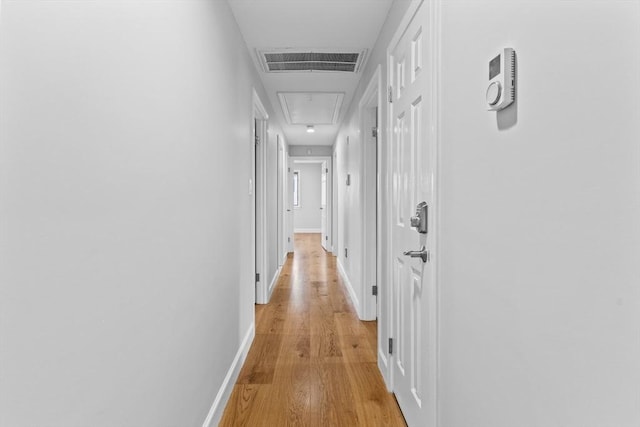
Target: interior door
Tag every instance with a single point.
(324, 232)
(412, 168)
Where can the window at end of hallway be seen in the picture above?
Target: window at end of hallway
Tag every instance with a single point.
(296, 189)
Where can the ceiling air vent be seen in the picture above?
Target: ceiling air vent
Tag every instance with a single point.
(307, 61)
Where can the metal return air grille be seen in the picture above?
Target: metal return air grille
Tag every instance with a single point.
(312, 61)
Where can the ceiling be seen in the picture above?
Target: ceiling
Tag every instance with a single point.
(317, 97)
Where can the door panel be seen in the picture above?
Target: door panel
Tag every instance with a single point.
(412, 169)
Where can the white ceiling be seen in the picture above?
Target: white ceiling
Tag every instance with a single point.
(308, 25)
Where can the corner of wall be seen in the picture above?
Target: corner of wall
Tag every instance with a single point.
(350, 289)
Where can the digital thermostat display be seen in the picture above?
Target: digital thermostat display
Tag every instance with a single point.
(494, 67)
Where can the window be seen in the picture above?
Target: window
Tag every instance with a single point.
(296, 189)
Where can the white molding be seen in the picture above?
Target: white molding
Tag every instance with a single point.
(307, 230)
(349, 286)
(383, 366)
(257, 102)
(274, 280)
(436, 133)
(222, 398)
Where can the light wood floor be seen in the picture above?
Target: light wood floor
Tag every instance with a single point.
(312, 363)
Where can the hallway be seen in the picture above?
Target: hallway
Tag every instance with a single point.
(477, 204)
(312, 361)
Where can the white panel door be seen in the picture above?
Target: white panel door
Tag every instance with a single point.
(324, 236)
(412, 168)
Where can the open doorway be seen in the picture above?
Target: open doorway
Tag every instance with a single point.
(311, 188)
(370, 118)
(258, 191)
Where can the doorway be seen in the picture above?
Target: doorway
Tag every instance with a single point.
(257, 186)
(369, 129)
(312, 197)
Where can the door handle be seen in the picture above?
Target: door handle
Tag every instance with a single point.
(423, 253)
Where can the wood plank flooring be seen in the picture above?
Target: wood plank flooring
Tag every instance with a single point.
(312, 363)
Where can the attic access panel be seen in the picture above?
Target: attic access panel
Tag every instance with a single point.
(309, 61)
(311, 108)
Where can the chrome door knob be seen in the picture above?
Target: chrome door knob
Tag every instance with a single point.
(423, 253)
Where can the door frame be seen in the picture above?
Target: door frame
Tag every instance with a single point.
(282, 177)
(329, 184)
(260, 117)
(371, 224)
(434, 132)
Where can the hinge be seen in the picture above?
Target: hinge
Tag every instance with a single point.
(289, 239)
(374, 132)
(326, 170)
(257, 139)
(326, 237)
(346, 252)
(257, 277)
(288, 169)
(374, 290)
(390, 345)
(390, 94)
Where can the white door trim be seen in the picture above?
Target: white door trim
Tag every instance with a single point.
(259, 214)
(371, 98)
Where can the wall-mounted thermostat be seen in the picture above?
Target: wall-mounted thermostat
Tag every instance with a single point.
(501, 91)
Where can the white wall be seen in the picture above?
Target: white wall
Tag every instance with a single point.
(540, 211)
(306, 217)
(124, 295)
(540, 232)
(310, 150)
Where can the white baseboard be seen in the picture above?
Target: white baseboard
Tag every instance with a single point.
(383, 366)
(220, 402)
(347, 283)
(307, 230)
(272, 285)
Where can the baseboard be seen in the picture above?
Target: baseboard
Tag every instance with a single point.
(220, 402)
(349, 286)
(272, 285)
(307, 230)
(383, 366)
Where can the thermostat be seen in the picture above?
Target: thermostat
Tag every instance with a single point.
(501, 91)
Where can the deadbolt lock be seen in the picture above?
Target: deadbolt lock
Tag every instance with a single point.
(421, 218)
